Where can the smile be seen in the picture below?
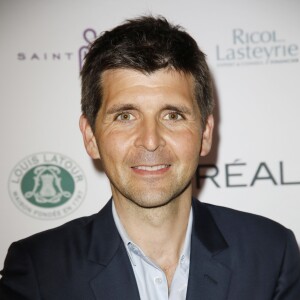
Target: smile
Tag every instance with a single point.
(151, 168)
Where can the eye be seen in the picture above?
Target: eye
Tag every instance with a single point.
(173, 116)
(125, 116)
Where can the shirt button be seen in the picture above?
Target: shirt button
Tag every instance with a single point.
(134, 250)
(158, 280)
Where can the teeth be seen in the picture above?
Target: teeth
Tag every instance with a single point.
(151, 168)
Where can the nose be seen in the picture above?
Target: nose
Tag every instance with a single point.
(150, 135)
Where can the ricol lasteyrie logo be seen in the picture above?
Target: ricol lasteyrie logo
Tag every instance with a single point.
(47, 185)
(256, 47)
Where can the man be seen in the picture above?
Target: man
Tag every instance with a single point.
(147, 115)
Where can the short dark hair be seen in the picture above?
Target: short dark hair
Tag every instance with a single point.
(145, 44)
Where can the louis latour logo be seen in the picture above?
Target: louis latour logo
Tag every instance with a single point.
(47, 185)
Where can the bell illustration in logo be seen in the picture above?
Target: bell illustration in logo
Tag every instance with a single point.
(47, 185)
(47, 189)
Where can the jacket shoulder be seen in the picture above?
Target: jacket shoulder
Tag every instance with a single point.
(240, 225)
(71, 232)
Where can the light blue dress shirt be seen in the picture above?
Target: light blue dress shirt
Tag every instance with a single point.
(151, 280)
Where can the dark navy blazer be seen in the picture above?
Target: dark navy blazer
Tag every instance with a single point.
(234, 256)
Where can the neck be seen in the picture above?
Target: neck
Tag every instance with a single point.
(160, 231)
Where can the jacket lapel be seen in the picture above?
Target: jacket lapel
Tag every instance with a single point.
(208, 278)
(115, 279)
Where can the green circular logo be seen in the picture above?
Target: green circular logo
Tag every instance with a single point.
(47, 185)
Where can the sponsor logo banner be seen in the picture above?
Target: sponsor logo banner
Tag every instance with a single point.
(89, 35)
(239, 174)
(47, 185)
(256, 48)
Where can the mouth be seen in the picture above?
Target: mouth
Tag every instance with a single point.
(151, 168)
(155, 169)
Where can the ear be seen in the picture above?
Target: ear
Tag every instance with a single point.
(207, 136)
(88, 138)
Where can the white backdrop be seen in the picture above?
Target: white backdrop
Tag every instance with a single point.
(253, 52)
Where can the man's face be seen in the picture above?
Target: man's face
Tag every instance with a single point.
(148, 135)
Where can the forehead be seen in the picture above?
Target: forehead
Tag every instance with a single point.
(125, 84)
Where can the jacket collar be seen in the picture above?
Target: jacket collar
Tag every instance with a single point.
(115, 279)
(208, 277)
(104, 229)
(206, 230)
(105, 239)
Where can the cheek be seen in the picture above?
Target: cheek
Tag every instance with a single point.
(186, 145)
(114, 146)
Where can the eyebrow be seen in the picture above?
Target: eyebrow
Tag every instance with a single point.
(128, 106)
(121, 107)
(178, 108)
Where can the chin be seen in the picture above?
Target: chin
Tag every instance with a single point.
(152, 200)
